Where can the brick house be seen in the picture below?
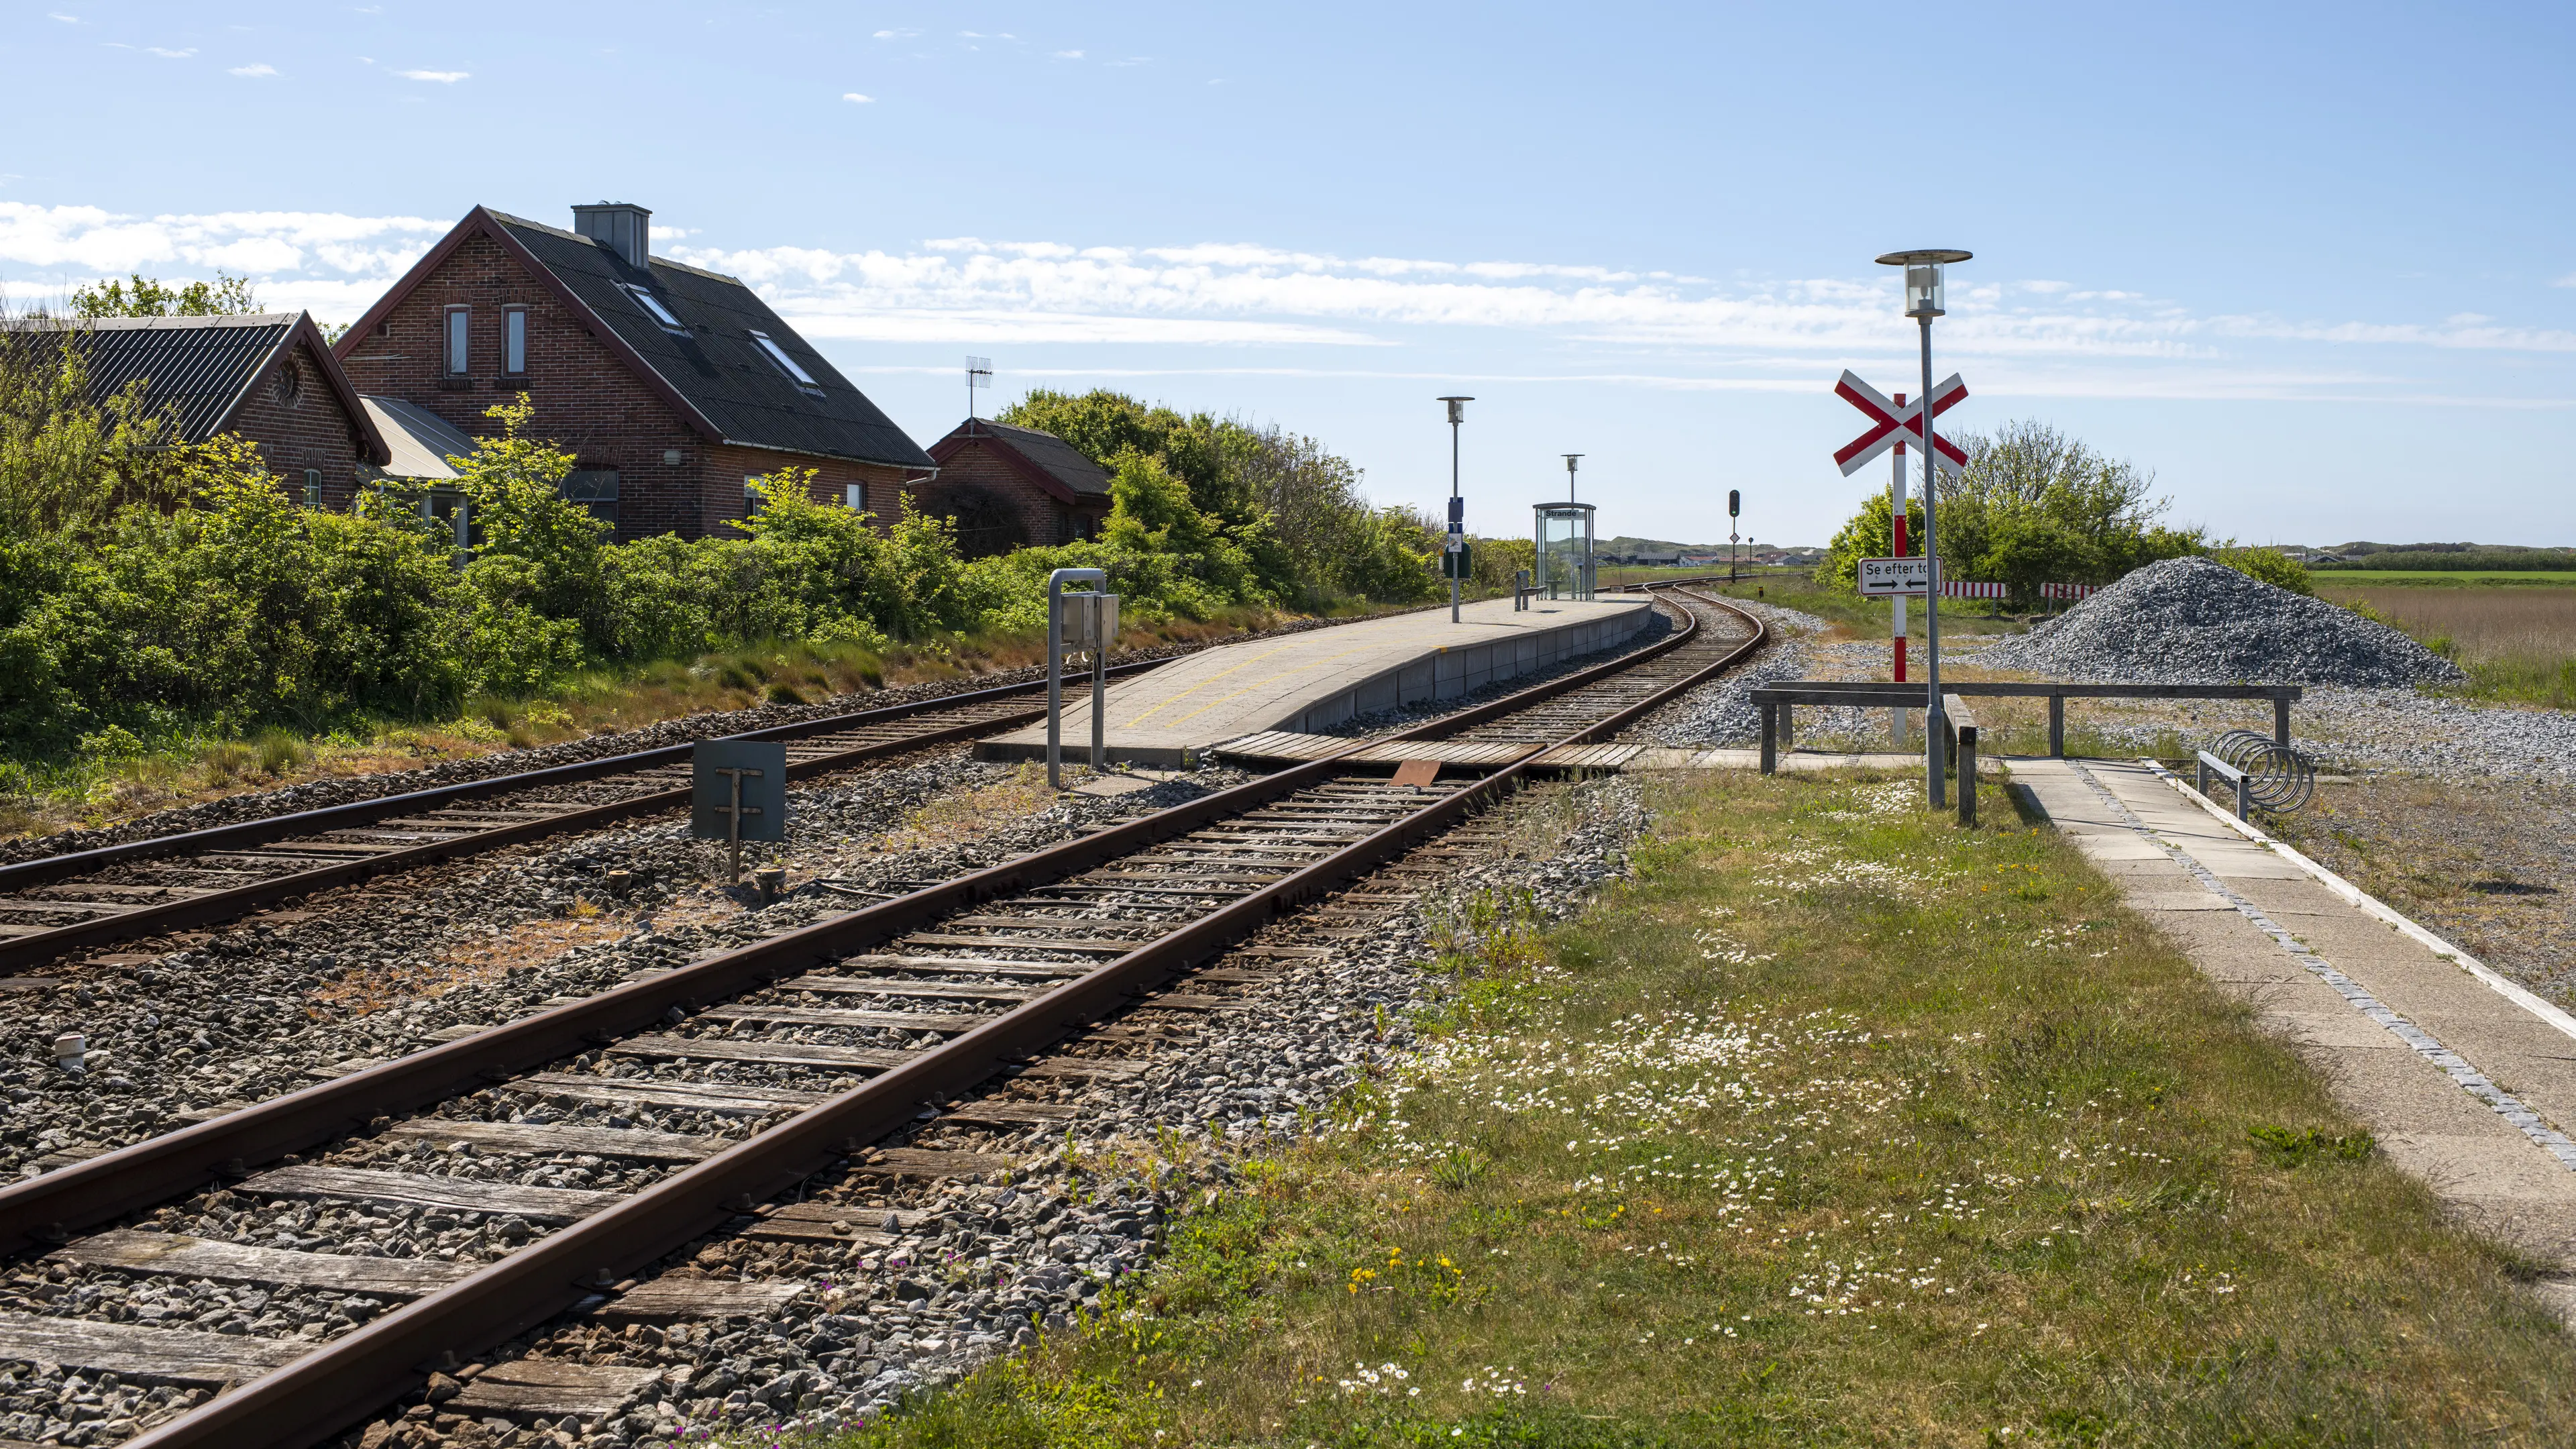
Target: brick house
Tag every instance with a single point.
(670, 385)
(1008, 487)
(267, 377)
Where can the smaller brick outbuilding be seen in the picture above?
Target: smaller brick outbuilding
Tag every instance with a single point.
(267, 377)
(1009, 487)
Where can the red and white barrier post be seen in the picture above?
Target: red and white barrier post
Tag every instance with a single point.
(1896, 630)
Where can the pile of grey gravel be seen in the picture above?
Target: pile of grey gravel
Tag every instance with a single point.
(2196, 621)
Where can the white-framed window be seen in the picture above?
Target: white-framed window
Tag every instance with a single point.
(312, 487)
(514, 340)
(785, 363)
(751, 499)
(460, 338)
(854, 496)
(654, 309)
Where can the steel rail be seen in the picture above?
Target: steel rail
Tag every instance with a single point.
(225, 904)
(85, 1193)
(352, 1376)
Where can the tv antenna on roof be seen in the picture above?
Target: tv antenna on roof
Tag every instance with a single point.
(979, 373)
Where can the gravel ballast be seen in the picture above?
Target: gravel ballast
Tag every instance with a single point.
(2193, 621)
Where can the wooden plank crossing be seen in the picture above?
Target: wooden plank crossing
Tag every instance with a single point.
(550, 1139)
(783, 1053)
(180, 1256)
(1015, 1114)
(666, 1300)
(981, 965)
(931, 1162)
(549, 1387)
(729, 1099)
(952, 1021)
(918, 990)
(455, 1194)
(160, 1355)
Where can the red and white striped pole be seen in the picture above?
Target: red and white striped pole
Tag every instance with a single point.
(1896, 496)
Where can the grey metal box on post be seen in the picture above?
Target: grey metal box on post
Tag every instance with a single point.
(738, 792)
(1085, 623)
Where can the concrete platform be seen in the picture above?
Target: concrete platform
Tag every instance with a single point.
(1315, 680)
(2467, 1080)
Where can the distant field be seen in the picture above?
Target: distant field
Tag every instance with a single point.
(2514, 633)
(2340, 580)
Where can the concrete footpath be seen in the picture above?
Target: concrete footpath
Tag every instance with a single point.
(1315, 680)
(2465, 1079)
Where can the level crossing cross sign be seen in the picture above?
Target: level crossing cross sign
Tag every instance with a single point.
(1891, 424)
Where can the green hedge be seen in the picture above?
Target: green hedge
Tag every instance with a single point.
(211, 603)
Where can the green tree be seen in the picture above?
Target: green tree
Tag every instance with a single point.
(536, 578)
(69, 461)
(2032, 506)
(142, 296)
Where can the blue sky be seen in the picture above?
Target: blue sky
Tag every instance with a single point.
(2312, 265)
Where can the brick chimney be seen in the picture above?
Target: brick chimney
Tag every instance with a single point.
(625, 227)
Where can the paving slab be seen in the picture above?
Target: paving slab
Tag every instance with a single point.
(1310, 682)
(2467, 1081)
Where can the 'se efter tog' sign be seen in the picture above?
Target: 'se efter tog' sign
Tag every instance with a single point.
(1880, 577)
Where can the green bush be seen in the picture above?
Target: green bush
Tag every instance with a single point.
(2269, 565)
(150, 590)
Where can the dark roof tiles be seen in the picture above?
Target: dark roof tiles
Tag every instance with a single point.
(201, 369)
(712, 360)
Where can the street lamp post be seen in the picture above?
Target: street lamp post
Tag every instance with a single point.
(1457, 505)
(1923, 298)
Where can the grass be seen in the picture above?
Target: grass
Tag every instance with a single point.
(1836, 1125)
(2515, 638)
(119, 777)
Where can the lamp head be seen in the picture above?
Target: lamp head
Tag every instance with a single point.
(1457, 409)
(1923, 277)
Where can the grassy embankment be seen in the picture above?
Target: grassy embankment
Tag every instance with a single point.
(63, 793)
(1835, 1126)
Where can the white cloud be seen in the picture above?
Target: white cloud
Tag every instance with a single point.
(66, 19)
(896, 34)
(256, 70)
(1654, 328)
(854, 98)
(320, 248)
(1077, 55)
(2566, 281)
(168, 54)
(441, 77)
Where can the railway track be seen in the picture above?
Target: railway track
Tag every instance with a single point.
(592, 1141)
(55, 906)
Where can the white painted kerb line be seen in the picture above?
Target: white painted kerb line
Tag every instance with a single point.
(2452, 1064)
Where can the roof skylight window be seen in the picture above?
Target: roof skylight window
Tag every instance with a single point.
(786, 364)
(653, 308)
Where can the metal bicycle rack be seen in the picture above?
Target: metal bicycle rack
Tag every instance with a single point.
(2263, 771)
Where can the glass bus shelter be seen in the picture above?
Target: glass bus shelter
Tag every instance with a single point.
(1564, 551)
